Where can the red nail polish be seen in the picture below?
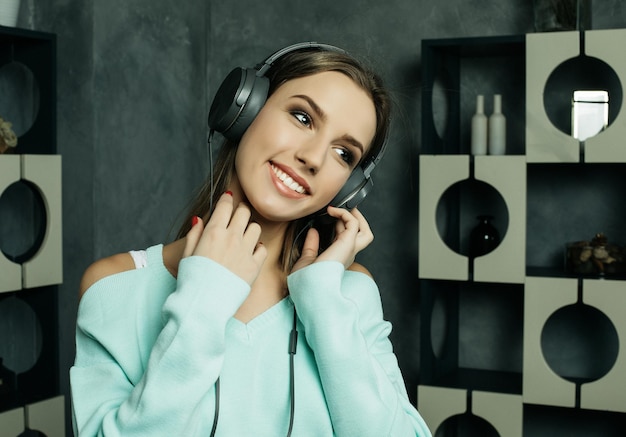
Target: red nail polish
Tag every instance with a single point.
(230, 193)
(194, 220)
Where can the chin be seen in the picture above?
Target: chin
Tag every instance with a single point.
(277, 213)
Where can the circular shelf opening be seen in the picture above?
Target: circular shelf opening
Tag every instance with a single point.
(32, 433)
(458, 212)
(20, 97)
(579, 343)
(439, 326)
(467, 425)
(23, 218)
(440, 106)
(20, 335)
(582, 73)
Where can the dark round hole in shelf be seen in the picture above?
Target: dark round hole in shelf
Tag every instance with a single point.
(440, 106)
(459, 207)
(579, 73)
(20, 96)
(32, 433)
(579, 343)
(23, 221)
(466, 425)
(20, 335)
(439, 325)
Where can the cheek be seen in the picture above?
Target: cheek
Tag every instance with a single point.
(334, 184)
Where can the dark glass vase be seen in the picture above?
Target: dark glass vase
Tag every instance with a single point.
(484, 237)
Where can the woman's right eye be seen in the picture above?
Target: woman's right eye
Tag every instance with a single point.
(302, 117)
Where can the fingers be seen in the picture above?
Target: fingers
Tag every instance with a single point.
(353, 234)
(193, 237)
(223, 211)
(365, 235)
(310, 250)
(354, 223)
(229, 238)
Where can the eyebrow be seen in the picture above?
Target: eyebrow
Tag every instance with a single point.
(322, 115)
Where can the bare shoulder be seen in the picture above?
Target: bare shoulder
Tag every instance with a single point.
(105, 267)
(356, 267)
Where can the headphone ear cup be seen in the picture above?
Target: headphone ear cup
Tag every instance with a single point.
(251, 108)
(237, 102)
(354, 190)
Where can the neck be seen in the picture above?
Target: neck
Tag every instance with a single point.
(270, 286)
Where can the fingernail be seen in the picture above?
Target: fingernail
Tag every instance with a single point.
(230, 193)
(194, 220)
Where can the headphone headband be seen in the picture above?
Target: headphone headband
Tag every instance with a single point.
(264, 66)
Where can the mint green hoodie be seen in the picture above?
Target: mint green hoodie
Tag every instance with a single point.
(149, 349)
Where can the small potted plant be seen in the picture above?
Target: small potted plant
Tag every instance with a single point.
(8, 139)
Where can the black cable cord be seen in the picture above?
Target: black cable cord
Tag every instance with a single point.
(210, 150)
(217, 407)
(293, 343)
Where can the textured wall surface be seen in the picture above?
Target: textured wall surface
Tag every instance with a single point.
(134, 86)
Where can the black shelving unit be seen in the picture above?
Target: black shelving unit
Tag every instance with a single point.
(36, 51)
(471, 332)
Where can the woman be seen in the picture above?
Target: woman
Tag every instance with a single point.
(200, 337)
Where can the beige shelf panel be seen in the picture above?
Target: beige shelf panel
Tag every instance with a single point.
(505, 412)
(542, 297)
(12, 422)
(507, 262)
(545, 52)
(436, 404)
(609, 392)
(46, 266)
(608, 145)
(507, 174)
(436, 259)
(10, 272)
(47, 416)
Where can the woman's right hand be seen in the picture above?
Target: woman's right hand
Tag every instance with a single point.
(230, 239)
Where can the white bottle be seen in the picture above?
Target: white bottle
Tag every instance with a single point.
(479, 128)
(497, 128)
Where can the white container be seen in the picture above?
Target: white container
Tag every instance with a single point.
(479, 128)
(590, 113)
(9, 10)
(497, 128)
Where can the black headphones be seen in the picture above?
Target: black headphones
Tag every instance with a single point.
(240, 98)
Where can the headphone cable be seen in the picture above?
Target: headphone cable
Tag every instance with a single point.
(293, 343)
(210, 147)
(217, 407)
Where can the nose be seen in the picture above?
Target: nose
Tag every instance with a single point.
(312, 155)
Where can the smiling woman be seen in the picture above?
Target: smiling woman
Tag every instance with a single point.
(200, 336)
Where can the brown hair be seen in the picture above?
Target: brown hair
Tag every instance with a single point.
(294, 65)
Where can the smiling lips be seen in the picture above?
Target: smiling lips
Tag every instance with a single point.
(288, 180)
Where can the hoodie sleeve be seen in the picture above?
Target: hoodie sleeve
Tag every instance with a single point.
(125, 383)
(342, 316)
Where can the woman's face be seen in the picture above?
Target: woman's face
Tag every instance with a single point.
(303, 145)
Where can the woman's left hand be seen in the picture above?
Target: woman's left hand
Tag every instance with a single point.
(353, 234)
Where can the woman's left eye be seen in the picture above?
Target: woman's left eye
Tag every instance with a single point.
(302, 117)
(346, 155)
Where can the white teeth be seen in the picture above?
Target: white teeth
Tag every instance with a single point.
(286, 179)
